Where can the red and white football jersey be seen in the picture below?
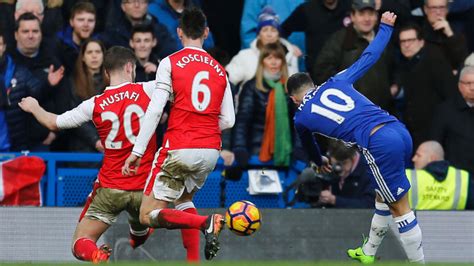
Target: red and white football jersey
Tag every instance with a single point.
(117, 115)
(196, 83)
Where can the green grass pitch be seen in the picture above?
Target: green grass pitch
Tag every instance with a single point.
(235, 263)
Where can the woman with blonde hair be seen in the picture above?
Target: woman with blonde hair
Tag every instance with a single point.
(263, 124)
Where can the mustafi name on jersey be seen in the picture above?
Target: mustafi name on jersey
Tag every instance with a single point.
(199, 58)
(118, 97)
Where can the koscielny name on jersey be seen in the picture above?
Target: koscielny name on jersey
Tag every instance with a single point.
(199, 58)
(118, 97)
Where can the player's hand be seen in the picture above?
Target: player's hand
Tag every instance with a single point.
(443, 24)
(131, 165)
(49, 139)
(388, 18)
(54, 77)
(228, 157)
(327, 197)
(28, 104)
(150, 68)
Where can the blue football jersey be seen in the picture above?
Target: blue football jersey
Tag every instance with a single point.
(337, 110)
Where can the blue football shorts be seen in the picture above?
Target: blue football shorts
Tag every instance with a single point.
(387, 155)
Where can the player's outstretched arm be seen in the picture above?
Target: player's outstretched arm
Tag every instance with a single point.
(227, 115)
(309, 144)
(45, 118)
(372, 53)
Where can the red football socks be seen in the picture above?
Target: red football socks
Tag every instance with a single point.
(174, 219)
(191, 240)
(84, 248)
(138, 240)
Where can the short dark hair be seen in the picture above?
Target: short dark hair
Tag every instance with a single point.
(297, 82)
(82, 6)
(411, 26)
(193, 23)
(116, 57)
(143, 28)
(25, 17)
(339, 151)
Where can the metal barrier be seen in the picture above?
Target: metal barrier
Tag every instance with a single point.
(69, 186)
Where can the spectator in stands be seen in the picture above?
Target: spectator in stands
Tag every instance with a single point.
(453, 123)
(436, 185)
(344, 47)
(135, 12)
(437, 30)
(142, 41)
(243, 66)
(81, 27)
(318, 20)
(105, 8)
(88, 80)
(16, 82)
(34, 54)
(50, 15)
(250, 20)
(424, 74)
(262, 124)
(350, 186)
(168, 12)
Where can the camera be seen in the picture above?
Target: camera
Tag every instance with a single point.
(309, 185)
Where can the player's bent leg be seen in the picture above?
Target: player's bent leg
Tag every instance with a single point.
(190, 237)
(85, 237)
(148, 206)
(378, 228)
(410, 232)
(153, 213)
(139, 233)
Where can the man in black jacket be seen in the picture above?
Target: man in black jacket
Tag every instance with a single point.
(453, 123)
(345, 46)
(424, 78)
(119, 29)
(438, 31)
(16, 82)
(36, 55)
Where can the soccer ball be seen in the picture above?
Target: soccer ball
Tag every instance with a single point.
(243, 218)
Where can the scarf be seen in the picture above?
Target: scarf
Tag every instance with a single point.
(276, 141)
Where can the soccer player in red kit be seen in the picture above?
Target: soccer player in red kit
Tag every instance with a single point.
(118, 116)
(202, 106)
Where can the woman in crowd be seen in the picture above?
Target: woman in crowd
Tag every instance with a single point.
(88, 79)
(263, 121)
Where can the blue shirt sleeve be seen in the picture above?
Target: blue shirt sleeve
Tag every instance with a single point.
(309, 143)
(368, 58)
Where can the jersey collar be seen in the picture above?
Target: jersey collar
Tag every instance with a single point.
(117, 86)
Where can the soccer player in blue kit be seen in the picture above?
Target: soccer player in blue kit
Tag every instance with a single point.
(336, 110)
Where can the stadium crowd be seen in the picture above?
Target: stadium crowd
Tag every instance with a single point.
(53, 50)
